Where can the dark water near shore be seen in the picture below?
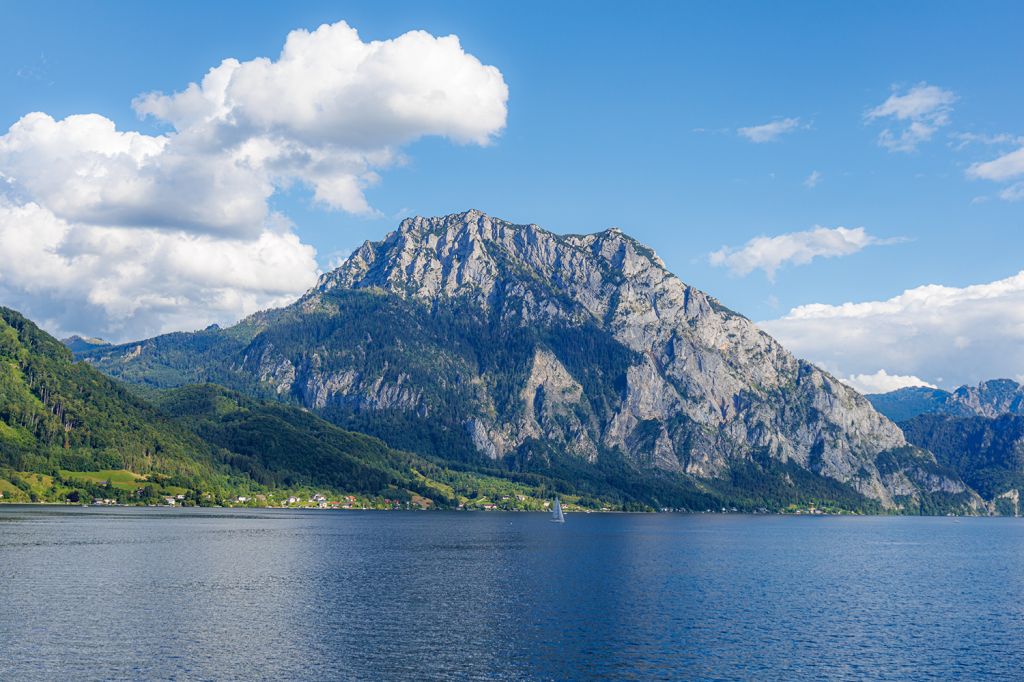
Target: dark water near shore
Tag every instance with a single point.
(229, 594)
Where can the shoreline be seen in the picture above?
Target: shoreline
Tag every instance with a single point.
(6, 505)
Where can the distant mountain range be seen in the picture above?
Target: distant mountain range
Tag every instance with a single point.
(977, 431)
(82, 344)
(988, 399)
(477, 342)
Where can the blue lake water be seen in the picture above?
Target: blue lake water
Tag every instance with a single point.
(228, 594)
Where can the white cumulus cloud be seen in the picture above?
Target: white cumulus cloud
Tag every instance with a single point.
(921, 110)
(119, 233)
(883, 382)
(962, 334)
(85, 170)
(769, 132)
(798, 248)
(124, 283)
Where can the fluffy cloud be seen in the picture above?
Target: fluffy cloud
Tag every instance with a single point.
(330, 87)
(129, 233)
(883, 382)
(332, 107)
(812, 180)
(116, 282)
(799, 248)
(86, 171)
(769, 132)
(947, 335)
(923, 109)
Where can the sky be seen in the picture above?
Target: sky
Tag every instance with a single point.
(848, 175)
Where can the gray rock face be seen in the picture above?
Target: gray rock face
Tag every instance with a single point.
(706, 388)
(991, 398)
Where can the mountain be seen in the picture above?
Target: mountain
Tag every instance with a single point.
(468, 338)
(82, 344)
(987, 452)
(67, 431)
(905, 403)
(988, 399)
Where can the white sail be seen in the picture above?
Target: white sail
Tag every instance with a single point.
(556, 513)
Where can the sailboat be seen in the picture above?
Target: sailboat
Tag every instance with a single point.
(556, 514)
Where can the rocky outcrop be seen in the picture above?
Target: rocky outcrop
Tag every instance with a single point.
(707, 388)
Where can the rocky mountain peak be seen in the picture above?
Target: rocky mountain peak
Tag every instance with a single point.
(716, 386)
(474, 255)
(991, 398)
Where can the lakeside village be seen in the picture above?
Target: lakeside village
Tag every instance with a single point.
(343, 502)
(321, 501)
(120, 487)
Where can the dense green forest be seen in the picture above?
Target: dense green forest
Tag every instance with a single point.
(58, 414)
(988, 453)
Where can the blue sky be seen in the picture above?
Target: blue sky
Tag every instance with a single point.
(630, 115)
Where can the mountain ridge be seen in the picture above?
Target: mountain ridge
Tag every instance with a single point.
(512, 343)
(990, 398)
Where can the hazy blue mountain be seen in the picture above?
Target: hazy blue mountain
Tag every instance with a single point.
(82, 344)
(909, 402)
(469, 338)
(988, 399)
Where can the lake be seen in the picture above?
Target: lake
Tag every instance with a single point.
(122, 593)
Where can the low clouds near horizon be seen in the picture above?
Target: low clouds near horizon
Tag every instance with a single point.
(928, 335)
(883, 382)
(122, 234)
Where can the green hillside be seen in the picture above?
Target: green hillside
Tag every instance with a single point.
(56, 414)
(285, 447)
